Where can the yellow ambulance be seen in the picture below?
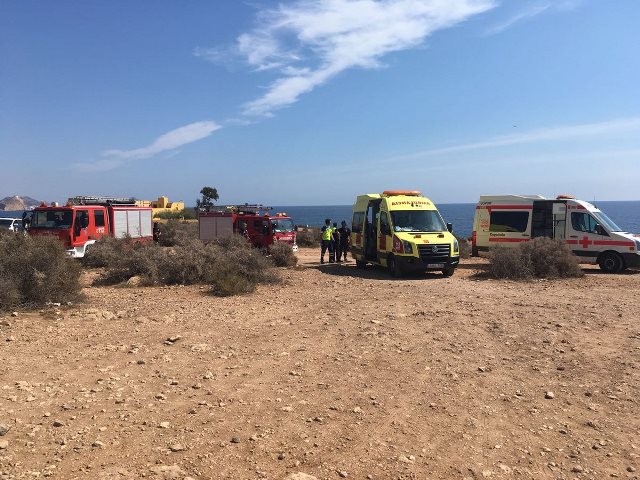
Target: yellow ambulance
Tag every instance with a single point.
(403, 231)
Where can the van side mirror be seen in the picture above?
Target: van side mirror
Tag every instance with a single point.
(600, 230)
(450, 227)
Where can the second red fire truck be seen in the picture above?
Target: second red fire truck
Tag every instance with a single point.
(254, 222)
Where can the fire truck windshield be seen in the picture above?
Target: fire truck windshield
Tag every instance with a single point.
(282, 225)
(52, 219)
(417, 221)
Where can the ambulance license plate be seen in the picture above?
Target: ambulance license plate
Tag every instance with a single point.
(435, 265)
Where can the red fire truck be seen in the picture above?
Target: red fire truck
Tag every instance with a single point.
(84, 220)
(252, 221)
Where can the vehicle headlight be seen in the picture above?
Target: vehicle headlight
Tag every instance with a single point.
(408, 247)
(455, 245)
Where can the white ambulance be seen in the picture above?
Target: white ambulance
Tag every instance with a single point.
(593, 237)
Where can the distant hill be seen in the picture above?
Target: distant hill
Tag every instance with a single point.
(18, 203)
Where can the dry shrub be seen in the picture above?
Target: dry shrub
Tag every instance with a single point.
(539, 258)
(282, 255)
(307, 239)
(464, 248)
(34, 271)
(105, 251)
(231, 266)
(175, 233)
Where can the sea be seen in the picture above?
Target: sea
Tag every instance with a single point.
(625, 214)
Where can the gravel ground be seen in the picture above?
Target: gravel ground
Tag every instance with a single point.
(338, 373)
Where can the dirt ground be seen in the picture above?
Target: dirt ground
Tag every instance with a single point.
(338, 373)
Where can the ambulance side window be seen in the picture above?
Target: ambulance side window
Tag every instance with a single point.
(358, 219)
(509, 221)
(384, 224)
(583, 222)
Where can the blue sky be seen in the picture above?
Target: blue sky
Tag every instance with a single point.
(314, 102)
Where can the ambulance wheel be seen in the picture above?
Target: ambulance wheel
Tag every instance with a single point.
(447, 272)
(394, 268)
(611, 262)
(360, 263)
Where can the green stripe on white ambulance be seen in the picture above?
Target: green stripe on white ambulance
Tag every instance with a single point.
(592, 236)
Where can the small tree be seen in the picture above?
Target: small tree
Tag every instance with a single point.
(209, 196)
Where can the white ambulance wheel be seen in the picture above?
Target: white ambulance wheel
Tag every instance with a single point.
(447, 272)
(611, 262)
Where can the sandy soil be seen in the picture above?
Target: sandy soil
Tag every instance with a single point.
(338, 373)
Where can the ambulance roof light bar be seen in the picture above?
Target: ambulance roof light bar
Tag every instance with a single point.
(91, 200)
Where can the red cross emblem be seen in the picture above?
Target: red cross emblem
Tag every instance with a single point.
(585, 242)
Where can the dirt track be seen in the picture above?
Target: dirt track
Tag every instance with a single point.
(340, 372)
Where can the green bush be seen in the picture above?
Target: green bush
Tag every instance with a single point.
(308, 238)
(282, 255)
(538, 258)
(186, 214)
(34, 271)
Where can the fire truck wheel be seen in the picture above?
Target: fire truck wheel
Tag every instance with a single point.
(394, 268)
(611, 262)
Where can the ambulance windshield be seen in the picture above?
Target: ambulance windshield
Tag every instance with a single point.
(282, 225)
(417, 221)
(606, 222)
(52, 219)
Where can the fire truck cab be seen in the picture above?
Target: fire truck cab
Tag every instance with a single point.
(251, 221)
(84, 220)
(403, 231)
(592, 236)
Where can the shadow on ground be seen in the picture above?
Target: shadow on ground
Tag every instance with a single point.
(370, 272)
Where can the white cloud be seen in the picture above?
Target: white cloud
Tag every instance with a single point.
(167, 143)
(531, 10)
(550, 134)
(308, 42)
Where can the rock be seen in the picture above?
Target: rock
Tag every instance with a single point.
(141, 362)
(357, 410)
(235, 439)
(4, 444)
(134, 281)
(549, 395)
(168, 472)
(58, 423)
(177, 447)
(300, 476)
(631, 469)
(14, 314)
(342, 474)
(97, 444)
(165, 424)
(281, 456)
(4, 428)
(577, 469)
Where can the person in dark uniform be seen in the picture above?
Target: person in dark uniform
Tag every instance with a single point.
(156, 232)
(334, 243)
(344, 241)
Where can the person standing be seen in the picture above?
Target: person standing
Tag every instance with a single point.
(326, 244)
(344, 234)
(156, 232)
(334, 243)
